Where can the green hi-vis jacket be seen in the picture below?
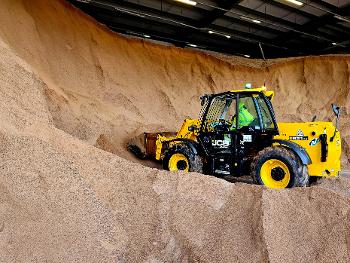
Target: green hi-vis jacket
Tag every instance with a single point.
(244, 117)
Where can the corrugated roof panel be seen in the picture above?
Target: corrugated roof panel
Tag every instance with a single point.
(344, 24)
(166, 5)
(235, 26)
(265, 34)
(151, 3)
(169, 7)
(252, 4)
(295, 18)
(327, 31)
(221, 22)
(185, 12)
(312, 10)
(273, 10)
(338, 3)
(272, 24)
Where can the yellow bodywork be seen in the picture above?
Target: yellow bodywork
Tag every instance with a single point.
(182, 133)
(313, 130)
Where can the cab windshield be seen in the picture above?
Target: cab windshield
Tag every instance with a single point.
(221, 111)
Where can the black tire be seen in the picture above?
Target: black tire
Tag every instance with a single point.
(314, 180)
(195, 162)
(303, 176)
(298, 172)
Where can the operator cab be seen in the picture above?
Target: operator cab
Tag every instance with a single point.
(234, 127)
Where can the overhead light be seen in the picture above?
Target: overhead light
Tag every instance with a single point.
(247, 56)
(219, 34)
(187, 2)
(295, 2)
(147, 36)
(192, 45)
(342, 18)
(251, 19)
(334, 44)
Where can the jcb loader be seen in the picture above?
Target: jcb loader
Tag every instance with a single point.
(237, 134)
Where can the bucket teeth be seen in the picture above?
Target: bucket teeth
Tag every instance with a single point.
(137, 151)
(137, 146)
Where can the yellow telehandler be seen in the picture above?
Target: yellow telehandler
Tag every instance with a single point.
(237, 134)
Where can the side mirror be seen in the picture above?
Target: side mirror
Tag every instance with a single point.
(336, 110)
(192, 128)
(203, 99)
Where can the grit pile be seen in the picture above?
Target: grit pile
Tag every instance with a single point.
(68, 87)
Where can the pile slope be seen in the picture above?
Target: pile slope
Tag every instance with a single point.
(63, 200)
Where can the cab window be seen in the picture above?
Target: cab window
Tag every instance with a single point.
(267, 120)
(247, 113)
(222, 111)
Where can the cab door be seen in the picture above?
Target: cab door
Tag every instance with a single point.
(255, 127)
(248, 128)
(218, 138)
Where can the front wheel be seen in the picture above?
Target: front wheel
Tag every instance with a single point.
(181, 158)
(277, 167)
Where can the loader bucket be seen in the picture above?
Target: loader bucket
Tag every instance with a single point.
(144, 146)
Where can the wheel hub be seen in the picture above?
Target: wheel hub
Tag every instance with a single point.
(181, 165)
(277, 174)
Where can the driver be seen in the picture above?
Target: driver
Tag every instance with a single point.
(245, 118)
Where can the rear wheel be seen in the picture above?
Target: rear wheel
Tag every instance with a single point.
(314, 179)
(181, 158)
(277, 167)
(304, 177)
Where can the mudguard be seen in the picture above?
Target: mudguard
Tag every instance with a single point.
(297, 149)
(190, 143)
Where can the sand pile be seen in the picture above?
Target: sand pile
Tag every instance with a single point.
(68, 84)
(63, 200)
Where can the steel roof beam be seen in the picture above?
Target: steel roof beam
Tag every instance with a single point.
(290, 9)
(218, 13)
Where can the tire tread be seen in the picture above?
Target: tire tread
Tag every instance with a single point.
(195, 161)
(298, 171)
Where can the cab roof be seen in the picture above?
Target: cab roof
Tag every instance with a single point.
(267, 93)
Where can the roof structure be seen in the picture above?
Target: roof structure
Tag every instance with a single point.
(283, 28)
